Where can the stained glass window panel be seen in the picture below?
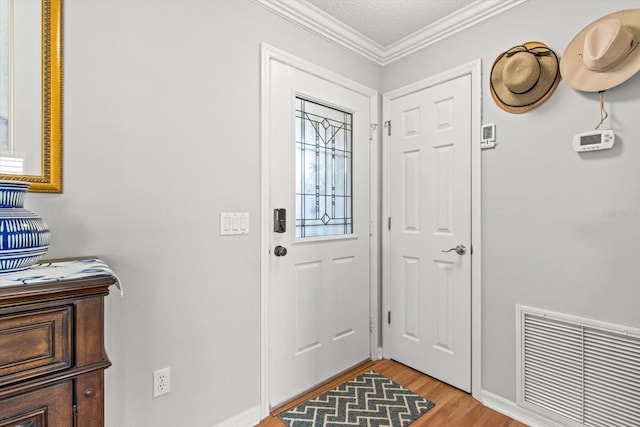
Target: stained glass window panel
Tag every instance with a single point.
(324, 164)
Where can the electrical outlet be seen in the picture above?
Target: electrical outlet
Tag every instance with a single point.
(161, 382)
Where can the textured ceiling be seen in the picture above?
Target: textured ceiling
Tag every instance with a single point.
(387, 21)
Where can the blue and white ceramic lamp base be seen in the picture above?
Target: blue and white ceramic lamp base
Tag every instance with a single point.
(24, 236)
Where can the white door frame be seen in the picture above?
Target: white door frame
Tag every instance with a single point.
(474, 69)
(268, 54)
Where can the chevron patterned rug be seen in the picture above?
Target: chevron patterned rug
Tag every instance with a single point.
(368, 400)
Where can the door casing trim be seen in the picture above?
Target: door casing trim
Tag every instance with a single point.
(268, 54)
(474, 69)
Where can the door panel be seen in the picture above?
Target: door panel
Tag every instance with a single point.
(430, 208)
(306, 288)
(319, 291)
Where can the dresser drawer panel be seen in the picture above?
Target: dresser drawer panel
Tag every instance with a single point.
(35, 343)
(48, 406)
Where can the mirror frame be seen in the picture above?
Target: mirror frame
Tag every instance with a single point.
(50, 181)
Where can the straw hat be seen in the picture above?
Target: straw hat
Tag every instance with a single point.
(604, 54)
(524, 77)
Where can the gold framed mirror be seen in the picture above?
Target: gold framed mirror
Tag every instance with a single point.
(34, 40)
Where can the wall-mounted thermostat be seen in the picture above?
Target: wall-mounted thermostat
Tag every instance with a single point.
(488, 139)
(594, 140)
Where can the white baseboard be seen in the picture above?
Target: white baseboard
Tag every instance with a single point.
(512, 410)
(248, 418)
(379, 354)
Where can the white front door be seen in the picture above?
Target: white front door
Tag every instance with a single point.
(318, 281)
(430, 209)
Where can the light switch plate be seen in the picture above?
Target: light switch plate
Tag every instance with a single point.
(234, 223)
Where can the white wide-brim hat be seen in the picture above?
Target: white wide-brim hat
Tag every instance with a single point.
(604, 54)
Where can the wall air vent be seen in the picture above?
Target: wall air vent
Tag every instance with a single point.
(578, 371)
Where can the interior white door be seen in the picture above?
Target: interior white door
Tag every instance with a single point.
(319, 173)
(430, 210)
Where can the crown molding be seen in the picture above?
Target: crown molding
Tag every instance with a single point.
(324, 25)
(467, 17)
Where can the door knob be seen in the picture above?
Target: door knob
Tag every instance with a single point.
(460, 250)
(279, 251)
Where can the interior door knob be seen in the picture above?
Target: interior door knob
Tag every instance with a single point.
(460, 250)
(279, 251)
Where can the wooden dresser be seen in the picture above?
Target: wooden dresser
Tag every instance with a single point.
(52, 355)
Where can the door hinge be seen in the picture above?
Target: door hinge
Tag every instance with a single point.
(75, 415)
(389, 317)
(370, 325)
(387, 125)
(389, 223)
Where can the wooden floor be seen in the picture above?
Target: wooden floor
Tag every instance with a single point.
(454, 408)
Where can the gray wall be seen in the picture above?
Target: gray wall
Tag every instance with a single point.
(162, 134)
(560, 229)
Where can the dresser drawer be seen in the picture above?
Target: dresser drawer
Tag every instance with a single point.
(35, 343)
(48, 406)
